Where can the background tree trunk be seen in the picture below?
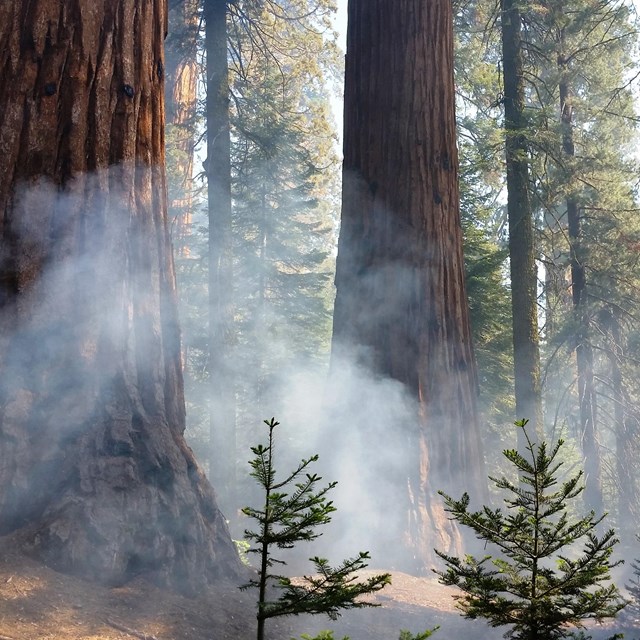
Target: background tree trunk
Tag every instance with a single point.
(95, 471)
(626, 429)
(181, 96)
(401, 302)
(587, 399)
(522, 256)
(222, 465)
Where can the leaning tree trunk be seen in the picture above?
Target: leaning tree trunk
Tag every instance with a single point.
(95, 472)
(524, 281)
(401, 304)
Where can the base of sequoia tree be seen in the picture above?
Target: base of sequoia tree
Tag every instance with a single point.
(112, 511)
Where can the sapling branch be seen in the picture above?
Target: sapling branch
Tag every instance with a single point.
(284, 521)
(518, 586)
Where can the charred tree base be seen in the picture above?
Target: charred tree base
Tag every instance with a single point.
(111, 516)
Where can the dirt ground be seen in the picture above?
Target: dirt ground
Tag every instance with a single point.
(37, 603)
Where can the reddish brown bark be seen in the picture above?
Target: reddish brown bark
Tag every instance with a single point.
(400, 282)
(182, 100)
(95, 472)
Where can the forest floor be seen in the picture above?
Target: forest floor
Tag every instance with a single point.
(37, 603)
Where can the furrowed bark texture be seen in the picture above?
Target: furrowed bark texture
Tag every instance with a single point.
(401, 301)
(94, 470)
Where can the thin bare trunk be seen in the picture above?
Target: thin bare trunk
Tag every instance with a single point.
(626, 433)
(222, 408)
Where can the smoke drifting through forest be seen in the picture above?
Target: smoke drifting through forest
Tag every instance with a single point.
(93, 462)
(358, 422)
(362, 424)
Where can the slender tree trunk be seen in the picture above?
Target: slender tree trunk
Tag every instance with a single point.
(261, 330)
(182, 100)
(584, 353)
(94, 472)
(556, 304)
(222, 407)
(522, 252)
(401, 302)
(626, 434)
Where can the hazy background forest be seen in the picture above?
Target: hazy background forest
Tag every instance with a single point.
(318, 207)
(285, 71)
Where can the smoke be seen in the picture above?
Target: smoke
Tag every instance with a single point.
(57, 302)
(358, 424)
(80, 306)
(364, 427)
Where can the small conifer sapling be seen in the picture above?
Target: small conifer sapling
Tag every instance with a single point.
(550, 572)
(293, 508)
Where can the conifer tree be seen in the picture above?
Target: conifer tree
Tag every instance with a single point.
(583, 109)
(281, 228)
(481, 148)
(285, 191)
(534, 583)
(522, 240)
(293, 509)
(581, 145)
(278, 239)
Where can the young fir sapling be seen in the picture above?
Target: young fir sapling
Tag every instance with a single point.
(293, 508)
(538, 583)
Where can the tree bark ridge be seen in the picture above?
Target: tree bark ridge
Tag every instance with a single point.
(401, 301)
(95, 471)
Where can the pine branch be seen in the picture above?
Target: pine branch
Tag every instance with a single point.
(521, 589)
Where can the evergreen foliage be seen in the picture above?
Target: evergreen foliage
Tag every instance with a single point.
(536, 583)
(285, 188)
(580, 64)
(293, 509)
(283, 64)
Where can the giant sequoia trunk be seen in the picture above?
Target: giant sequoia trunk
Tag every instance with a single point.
(94, 469)
(524, 281)
(401, 303)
